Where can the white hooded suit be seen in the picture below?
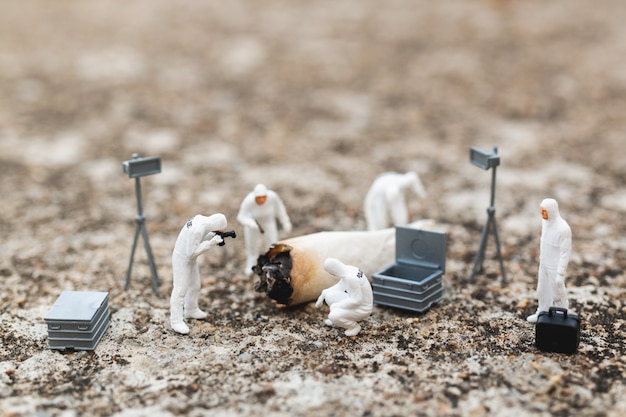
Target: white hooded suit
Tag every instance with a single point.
(387, 196)
(350, 300)
(555, 250)
(259, 222)
(195, 238)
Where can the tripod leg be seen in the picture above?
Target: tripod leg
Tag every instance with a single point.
(495, 235)
(132, 255)
(153, 272)
(481, 252)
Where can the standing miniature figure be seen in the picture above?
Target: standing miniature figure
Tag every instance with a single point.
(387, 195)
(555, 250)
(350, 300)
(195, 238)
(258, 213)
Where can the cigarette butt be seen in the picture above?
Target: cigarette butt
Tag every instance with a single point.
(292, 270)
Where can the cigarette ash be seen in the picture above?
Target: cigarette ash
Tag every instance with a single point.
(274, 271)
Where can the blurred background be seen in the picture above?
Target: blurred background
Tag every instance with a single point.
(314, 99)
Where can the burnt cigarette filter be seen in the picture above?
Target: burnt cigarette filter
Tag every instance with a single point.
(292, 271)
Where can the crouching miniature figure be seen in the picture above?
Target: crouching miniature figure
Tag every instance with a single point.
(554, 254)
(197, 236)
(386, 197)
(350, 300)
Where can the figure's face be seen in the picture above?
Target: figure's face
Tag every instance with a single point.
(544, 213)
(260, 200)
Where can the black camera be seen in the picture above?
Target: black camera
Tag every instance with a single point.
(226, 234)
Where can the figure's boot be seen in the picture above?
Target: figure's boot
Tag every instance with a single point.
(353, 331)
(191, 305)
(196, 314)
(180, 327)
(176, 313)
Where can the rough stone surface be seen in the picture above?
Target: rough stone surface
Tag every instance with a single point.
(315, 99)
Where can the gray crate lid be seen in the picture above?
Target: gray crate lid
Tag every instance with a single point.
(76, 306)
(66, 328)
(421, 247)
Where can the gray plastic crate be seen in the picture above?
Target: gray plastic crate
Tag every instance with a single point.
(414, 281)
(78, 320)
(83, 330)
(89, 341)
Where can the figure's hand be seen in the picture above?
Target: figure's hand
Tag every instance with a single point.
(216, 240)
(252, 225)
(320, 300)
(560, 279)
(287, 227)
(203, 247)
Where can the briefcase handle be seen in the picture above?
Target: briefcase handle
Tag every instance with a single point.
(554, 310)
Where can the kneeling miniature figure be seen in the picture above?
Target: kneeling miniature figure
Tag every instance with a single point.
(350, 300)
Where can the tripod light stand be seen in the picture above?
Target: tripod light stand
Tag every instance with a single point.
(137, 168)
(487, 161)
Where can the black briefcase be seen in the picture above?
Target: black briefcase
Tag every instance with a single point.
(557, 331)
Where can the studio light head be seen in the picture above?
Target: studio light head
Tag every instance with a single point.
(483, 159)
(141, 167)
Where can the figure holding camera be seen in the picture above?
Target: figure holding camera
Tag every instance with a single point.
(197, 236)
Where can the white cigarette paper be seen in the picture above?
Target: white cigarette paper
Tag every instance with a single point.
(292, 270)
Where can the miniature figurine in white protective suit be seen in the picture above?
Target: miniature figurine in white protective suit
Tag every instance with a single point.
(196, 237)
(257, 214)
(555, 250)
(350, 300)
(387, 196)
